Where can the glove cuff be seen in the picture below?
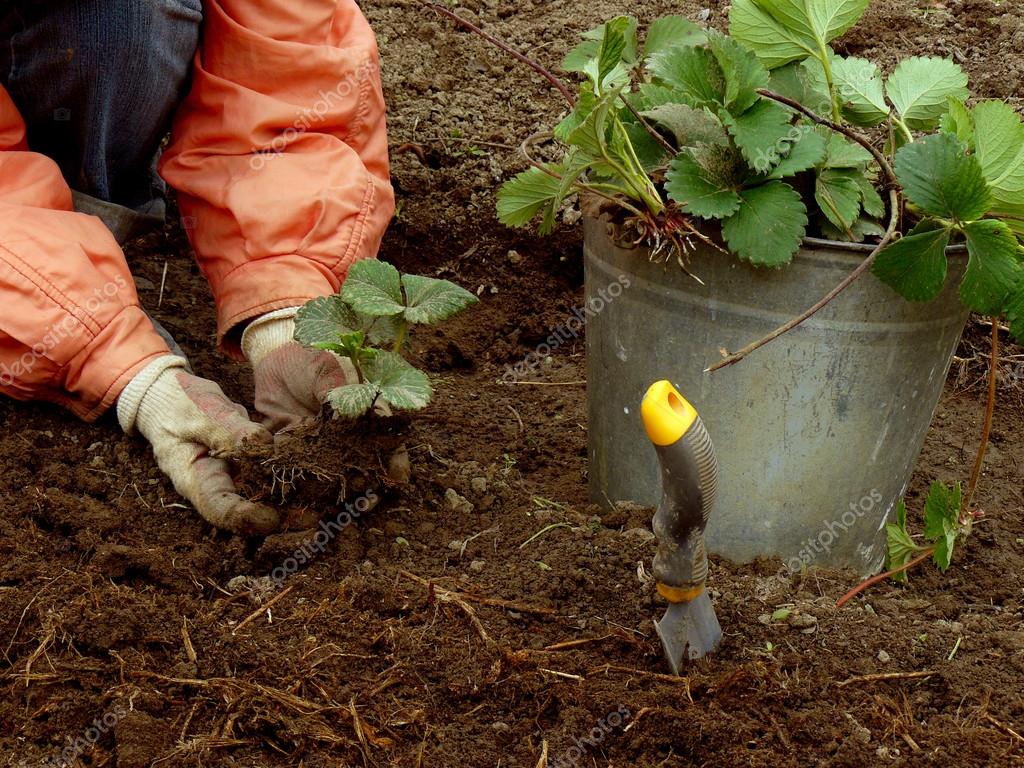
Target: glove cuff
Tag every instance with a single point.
(268, 333)
(145, 392)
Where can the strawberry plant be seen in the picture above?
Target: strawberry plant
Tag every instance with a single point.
(760, 137)
(368, 323)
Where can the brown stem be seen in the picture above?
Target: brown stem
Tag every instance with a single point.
(883, 576)
(648, 127)
(734, 358)
(990, 406)
(534, 65)
(860, 138)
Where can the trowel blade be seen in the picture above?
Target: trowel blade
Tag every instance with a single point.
(689, 631)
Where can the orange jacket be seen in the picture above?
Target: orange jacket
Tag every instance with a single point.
(279, 158)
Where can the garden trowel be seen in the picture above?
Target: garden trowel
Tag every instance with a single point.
(689, 476)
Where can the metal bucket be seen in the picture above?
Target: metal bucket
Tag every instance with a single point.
(817, 433)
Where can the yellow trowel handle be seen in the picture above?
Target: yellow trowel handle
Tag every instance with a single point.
(689, 475)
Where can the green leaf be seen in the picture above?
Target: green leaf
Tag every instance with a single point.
(651, 95)
(743, 73)
(958, 122)
(920, 89)
(523, 196)
(693, 73)
(942, 521)
(769, 225)
(651, 153)
(763, 133)
(804, 82)
(429, 300)
(999, 145)
(861, 93)
(872, 202)
(838, 194)
(942, 179)
(584, 106)
(323, 320)
(351, 401)
(843, 153)
(589, 51)
(703, 181)
(612, 50)
(994, 268)
(804, 154)
(915, 266)
(862, 229)
(1015, 313)
(671, 32)
(373, 288)
(592, 134)
(400, 384)
(781, 31)
(900, 547)
(689, 126)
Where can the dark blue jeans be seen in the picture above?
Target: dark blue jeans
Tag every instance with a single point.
(97, 82)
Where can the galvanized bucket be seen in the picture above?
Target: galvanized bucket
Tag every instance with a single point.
(817, 433)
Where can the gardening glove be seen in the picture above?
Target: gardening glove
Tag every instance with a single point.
(189, 421)
(292, 381)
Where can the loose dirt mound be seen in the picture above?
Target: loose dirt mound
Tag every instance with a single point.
(484, 611)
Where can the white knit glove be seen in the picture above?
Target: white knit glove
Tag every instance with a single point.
(190, 422)
(292, 381)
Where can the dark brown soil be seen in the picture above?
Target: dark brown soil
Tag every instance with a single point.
(121, 611)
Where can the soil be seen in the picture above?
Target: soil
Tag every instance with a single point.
(484, 613)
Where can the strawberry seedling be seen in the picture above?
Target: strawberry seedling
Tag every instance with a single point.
(368, 323)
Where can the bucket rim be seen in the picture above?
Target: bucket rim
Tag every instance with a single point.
(839, 245)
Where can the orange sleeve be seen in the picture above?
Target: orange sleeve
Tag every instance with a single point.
(71, 329)
(279, 153)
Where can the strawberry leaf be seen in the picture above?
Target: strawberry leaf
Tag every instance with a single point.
(838, 195)
(859, 83)
(429, 300)
(671, 32)
(942, 179)
(920, 89)
(373, 288)
(762, 133)
(781, 31)
(769, 225)
(915, 266)
(703, 181)
(942, 521)
(994, 269)
(398, 383)
(523, 196)
(999, 144)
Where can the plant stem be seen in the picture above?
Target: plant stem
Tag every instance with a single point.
(400, 334)
(904, 129)
(360, 378)
(890, 175)
(734, 358)
(883, 576)
(990, 406)
(648, 192)
(537, 67)
(648, 127)
(837, 113)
